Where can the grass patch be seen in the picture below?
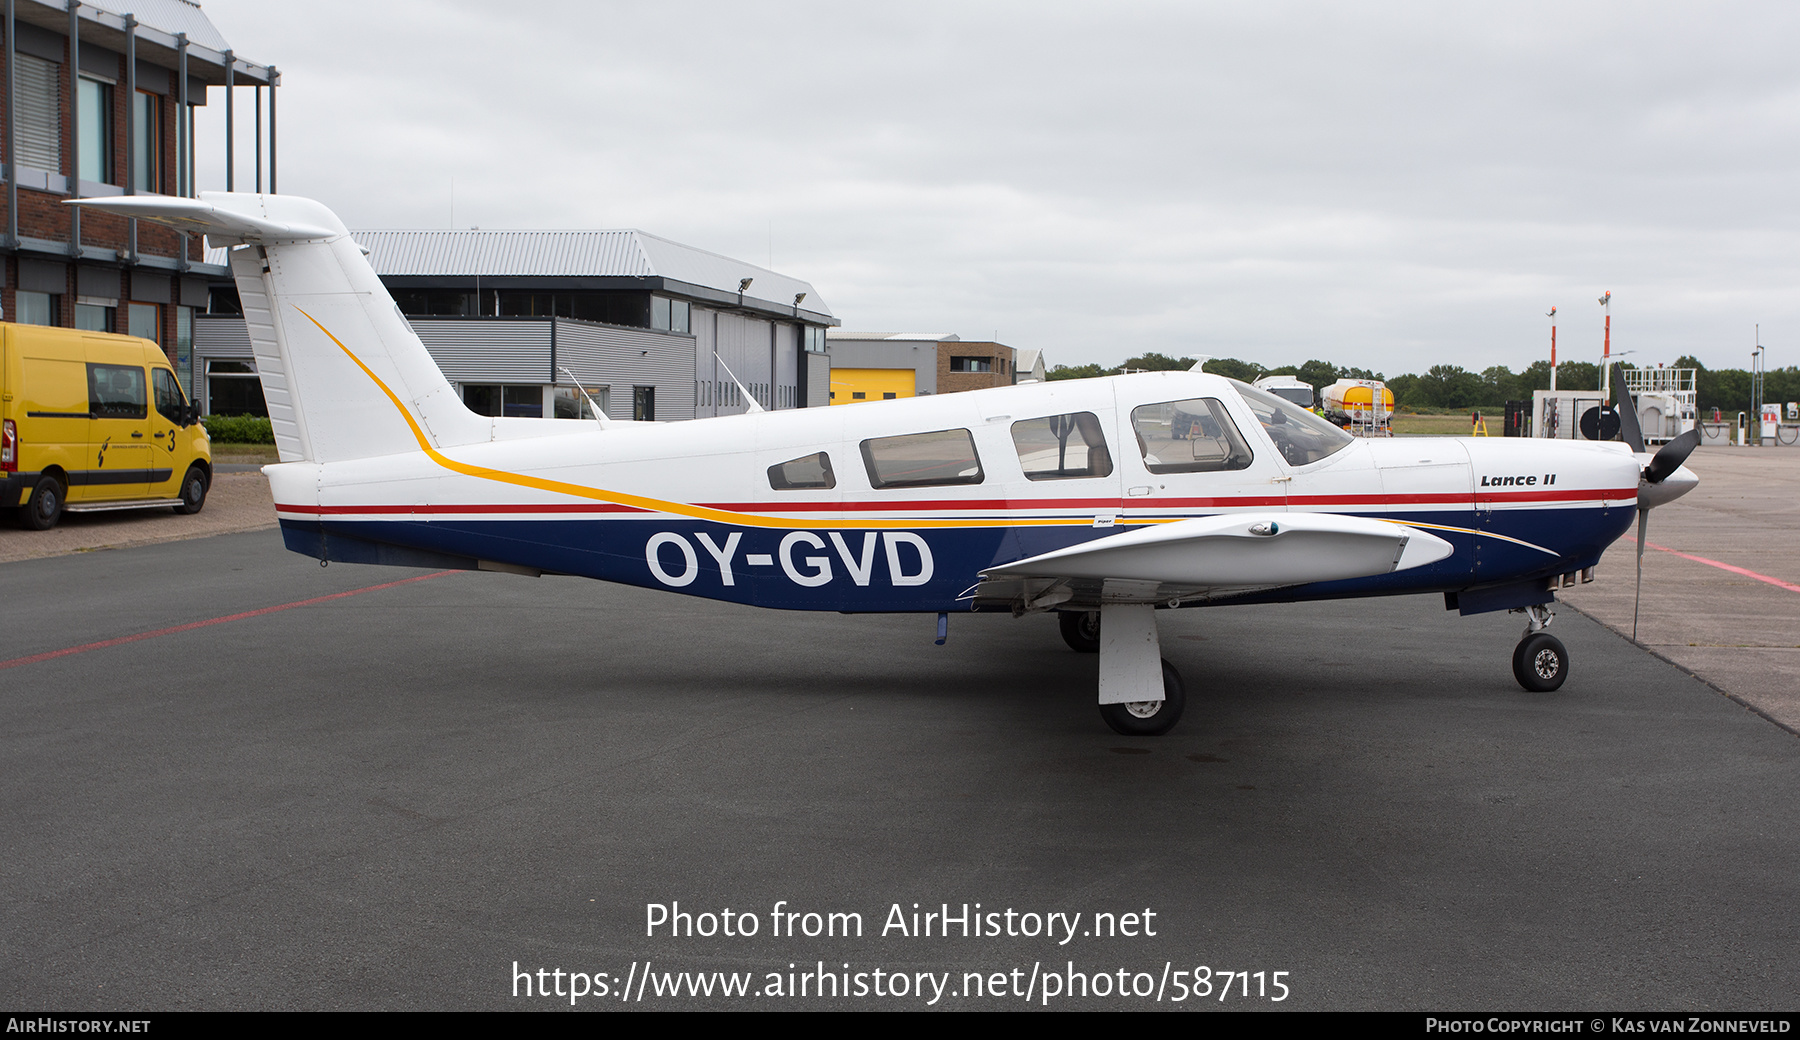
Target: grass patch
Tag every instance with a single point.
(251, 454)
(1457, 425)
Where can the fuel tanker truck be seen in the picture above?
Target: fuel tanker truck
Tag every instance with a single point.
(1360, 405)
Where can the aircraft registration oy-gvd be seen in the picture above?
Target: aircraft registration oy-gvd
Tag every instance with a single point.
(1099, 500)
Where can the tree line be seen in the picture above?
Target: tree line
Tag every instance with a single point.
(1451, 386)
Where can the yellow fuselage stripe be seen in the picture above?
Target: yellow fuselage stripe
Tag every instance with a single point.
(724, 516)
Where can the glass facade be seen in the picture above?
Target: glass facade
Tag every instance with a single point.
(95, 115)
(146, 165)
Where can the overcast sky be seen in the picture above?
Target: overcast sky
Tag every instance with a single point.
(1390, 186)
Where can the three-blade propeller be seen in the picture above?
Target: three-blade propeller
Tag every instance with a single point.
(1661, 467)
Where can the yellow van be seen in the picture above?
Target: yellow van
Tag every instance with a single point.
(91, 421)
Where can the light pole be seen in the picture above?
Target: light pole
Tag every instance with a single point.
(1552, 317)
(1756, 392)
(1606, 350)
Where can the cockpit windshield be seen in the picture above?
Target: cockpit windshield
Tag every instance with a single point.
(1300, 436)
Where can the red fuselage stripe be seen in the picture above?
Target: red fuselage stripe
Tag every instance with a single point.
(1007, 505)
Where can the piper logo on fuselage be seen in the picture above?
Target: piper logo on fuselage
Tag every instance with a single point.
(1531, 481)
(801, 556)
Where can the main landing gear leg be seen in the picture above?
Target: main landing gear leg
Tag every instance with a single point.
(1540, 661)
(1140, 693)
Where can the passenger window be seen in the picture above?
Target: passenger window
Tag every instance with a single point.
(115, 392)
(169, 399)
(1193, 436)
(922, 460)
(1059, 446)
(813, 471)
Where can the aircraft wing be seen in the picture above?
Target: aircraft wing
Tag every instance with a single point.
(1234, 551)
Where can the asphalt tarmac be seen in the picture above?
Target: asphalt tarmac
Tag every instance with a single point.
(416, 796)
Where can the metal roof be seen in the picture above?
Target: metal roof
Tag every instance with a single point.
(171, 16)
(577, 254)
(939, 337)
(158, 24)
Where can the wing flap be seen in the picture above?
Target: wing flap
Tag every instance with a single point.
(1241, 550)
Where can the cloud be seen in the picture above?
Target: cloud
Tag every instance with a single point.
(1389, 185)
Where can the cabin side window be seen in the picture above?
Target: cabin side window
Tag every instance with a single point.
(1060, 446)
(935, 459)
(1193, 436)
(812, 471)
(116, 392)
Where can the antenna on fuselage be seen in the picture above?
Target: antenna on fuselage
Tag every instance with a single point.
(1200, 360)
(599, 416)
(751, 404)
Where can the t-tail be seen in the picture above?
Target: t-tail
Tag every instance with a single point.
(343, 374)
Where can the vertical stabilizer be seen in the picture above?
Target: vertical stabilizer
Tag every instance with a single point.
(344, 375)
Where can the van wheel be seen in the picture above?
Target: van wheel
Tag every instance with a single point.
(193, 491)
(45, 507)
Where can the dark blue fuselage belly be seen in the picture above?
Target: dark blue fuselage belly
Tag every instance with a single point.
(853, 572)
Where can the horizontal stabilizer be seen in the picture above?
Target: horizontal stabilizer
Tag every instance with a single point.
(1242, 550)
(228, 218)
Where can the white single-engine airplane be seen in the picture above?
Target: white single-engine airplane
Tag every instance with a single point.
(1099, 499)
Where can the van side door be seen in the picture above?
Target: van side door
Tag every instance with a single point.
(118, 460)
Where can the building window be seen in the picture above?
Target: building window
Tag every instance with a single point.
(669, 315)
(144, 320)
(516, 401)
(93, 317)
(95, 101)
(232, 388)
(436, 303)
(36, 308)
(971, 364)
(858, 395)
(146, 155)
(184, 348)
(39, 113)
(815, 339)
(571, 404)
(888, 395)
(643, 403)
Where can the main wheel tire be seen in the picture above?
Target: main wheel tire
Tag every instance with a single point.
(193, 491)
(1149, 718)
(44, 508)
(1540, 662)
(1081, 630)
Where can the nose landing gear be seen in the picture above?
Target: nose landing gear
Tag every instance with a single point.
(1540, 661)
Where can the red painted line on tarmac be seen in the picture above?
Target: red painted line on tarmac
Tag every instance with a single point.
(1777, 582)
(104, 643)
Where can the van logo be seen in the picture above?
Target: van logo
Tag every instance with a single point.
(806, 559)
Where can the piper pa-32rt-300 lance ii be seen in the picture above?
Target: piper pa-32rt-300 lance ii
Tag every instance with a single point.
(1101, 500)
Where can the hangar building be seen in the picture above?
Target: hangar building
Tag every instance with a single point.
(650, 328)
(875, 366)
